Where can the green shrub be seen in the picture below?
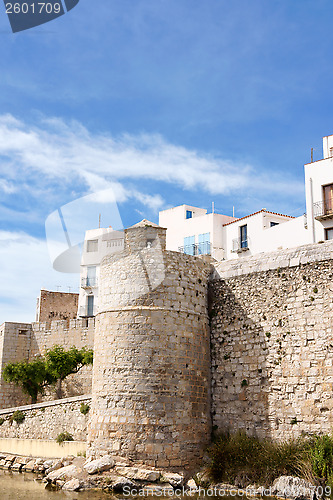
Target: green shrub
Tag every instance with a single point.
(321, 458)
(64, 436)
(84, 408)
(2, 420)
(242, 460)
(18, 417)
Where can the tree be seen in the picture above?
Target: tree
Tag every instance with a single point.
(32, 377)
(58, 363)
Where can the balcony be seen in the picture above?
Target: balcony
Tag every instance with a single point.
(323, 210)
(240, 245)
(196, 248)
(89, 282)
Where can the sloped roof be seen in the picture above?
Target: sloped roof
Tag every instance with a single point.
(258, 212)
(145, 223)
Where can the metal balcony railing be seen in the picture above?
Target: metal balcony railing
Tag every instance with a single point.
(83, 312)
(89, 282)
(323, 209)
(240, 245)
(203, 248)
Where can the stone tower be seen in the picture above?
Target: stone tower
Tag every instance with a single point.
(151, 399)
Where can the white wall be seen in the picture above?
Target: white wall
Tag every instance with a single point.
(178, 227)
(109, 241)
(317, 175)
(263, 238)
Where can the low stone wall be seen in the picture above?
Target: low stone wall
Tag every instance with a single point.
(47, 420)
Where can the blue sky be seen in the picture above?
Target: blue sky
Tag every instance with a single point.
(163, 101)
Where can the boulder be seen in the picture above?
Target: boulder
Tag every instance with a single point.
(56, 465)
(72, 485)
(117, 483)
(292, 487)
(63, 474)
(157, 489)
(16, 467)
(100, 465)
(138, 473)
(192, 485)
(172, 478)
(30, 466)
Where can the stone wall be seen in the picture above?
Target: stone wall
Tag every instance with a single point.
(272, 343)
(151, 398)
(47, 420)
(25, 341)
(56, 306)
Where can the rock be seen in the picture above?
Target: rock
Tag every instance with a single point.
(72, 485)
(22, 460)
(48, 464)
(2, 463)
(173, 478)
(100, 465)
(10, 458)
(56, 465)
(292, 487)
(67, 460)
(117, 483)
(157, 489)
(30, 466)
(138, 473)
(59, 483)
(16, 467)
(63, 474)
(39, 461)
(192, 485)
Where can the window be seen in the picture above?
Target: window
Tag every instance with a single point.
(204, 244)
(189, 245)
(92, 245)
(243, 236)
(331, 152)
(189, 214)
(328, 199)
(329, 233)
(91, 276)
(90, 305)
(272, 224)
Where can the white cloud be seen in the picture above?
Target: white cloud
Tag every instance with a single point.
(7, 187)
(68, 151)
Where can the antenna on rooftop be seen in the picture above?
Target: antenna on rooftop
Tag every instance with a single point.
(311, 155)
(233, 211)
(99, 221)
(213, 208)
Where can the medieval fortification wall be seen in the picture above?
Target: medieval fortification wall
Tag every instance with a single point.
(272, 343)
(183, 342)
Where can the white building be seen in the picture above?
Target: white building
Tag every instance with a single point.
(319, 194)
(193, 231)
(97, 244)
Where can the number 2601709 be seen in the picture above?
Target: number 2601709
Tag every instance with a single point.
(33, 8)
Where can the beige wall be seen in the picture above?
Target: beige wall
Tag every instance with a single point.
(272, 344)
(151, 398)
(56, 306)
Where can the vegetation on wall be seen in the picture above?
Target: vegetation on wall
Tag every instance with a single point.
(33, 376)
(243, 460)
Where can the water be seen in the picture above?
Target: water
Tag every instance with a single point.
(24, 486)
(21, 486)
